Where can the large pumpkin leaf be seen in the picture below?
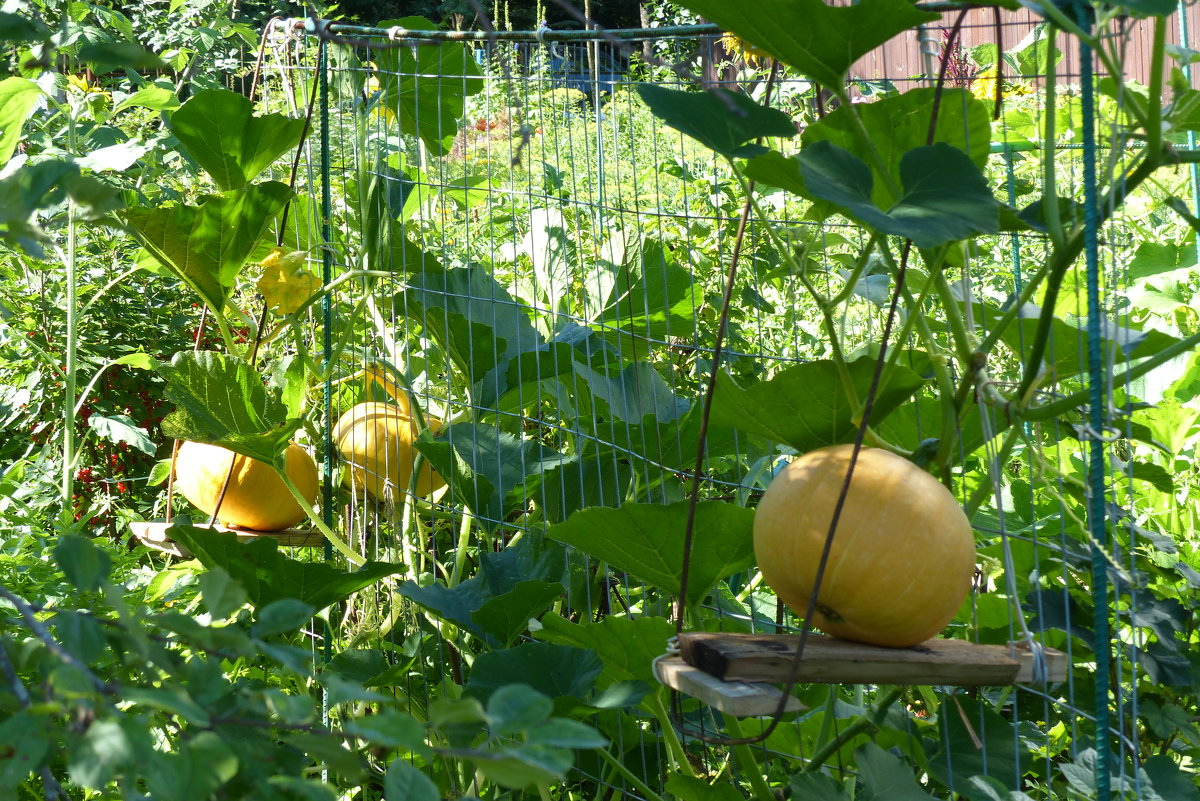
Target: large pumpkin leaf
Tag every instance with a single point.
(654, 299)
(488, 470)
(424, 87)
(944, 196)
(818, 39)
(805, 406)
(976, 741)
(223, 401)
(899, 123)
(218, 128)
(268, 576)
(886, 777)
(556, 671)
(207, 245)
(627, 646)
(646, 540)
(726, 122)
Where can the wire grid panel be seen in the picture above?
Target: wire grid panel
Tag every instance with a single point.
(532, 264)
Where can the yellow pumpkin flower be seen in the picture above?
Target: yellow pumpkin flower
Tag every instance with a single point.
(285, 283)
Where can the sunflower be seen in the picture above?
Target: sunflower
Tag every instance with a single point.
(736, 45)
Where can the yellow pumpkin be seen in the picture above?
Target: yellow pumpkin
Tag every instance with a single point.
(902, 557)
(256, 498)
(376, 441)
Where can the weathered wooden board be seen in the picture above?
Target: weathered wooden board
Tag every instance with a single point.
(741, 699)
(153, 534)
(768, 658)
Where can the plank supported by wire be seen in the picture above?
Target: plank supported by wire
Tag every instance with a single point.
(768, 658)
(742, 699)
(153, 534)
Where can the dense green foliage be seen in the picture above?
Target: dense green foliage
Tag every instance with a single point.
(165, 276)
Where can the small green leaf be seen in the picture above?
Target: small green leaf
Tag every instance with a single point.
(84, 563)
(566, 733)
(155, 98)
(403, 782)
(99, 756)
(515, 707)
(390, 729)
(507, 615)
(120, 428)
(885, 777)
(527, 765)
(222, 595)
(817, 787)
(646, 540)
(720, 120)
(138, 361)
(173, 700)
(219, 129)
(281, 617)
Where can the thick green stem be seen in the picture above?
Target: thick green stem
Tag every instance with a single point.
(1050, 211)
(985, 489)
(69, 349)
(747, 763)
(1154, 118)
(460, 550)
(339, 544)
(860, 726)
(674, 747)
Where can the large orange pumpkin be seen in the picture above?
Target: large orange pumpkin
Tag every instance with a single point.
(256, 498)
(902, 557)
(376, 441)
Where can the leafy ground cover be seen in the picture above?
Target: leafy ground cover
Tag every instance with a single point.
(545, 275)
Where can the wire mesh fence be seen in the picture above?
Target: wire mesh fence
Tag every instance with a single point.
(530, 271)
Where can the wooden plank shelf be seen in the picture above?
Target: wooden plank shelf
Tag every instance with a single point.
(153, 534)
(827, 660)
(742, 699)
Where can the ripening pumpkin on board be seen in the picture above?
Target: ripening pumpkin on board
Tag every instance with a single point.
(902, 558)
(376, 441)
(256, 498)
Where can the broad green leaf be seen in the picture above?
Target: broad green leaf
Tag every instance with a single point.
(626, 646)
(694, 788)
(118, 157)
(139, 361)
(886, 777)
(654, 299)
(565, 733)
(198, 767)
(106, 57)
(85, 564)
(219, 129)
(18, 28)
(25, 741)
(515, 707)
(221, 594)
(1171, 781)
(207, 245)
(723, 121)
(155, 98)
(636, 392)
(506, 616)
(818, 39)
(966, 723)
(389, 728)
(403, 782)
(556, 671)
(515, 383)
(805, 405)
(424, 88)
(646, 540)
(120, 428)
(817, 787)
(18, 96)
(488, 470)
(474, 319)
(221, 400)
(267, 575)
(97, 758)
(34, 187)
(899, 123)
(281, 616)
(601, 480)
(525, 765)
(171, 699)
(944, 196)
